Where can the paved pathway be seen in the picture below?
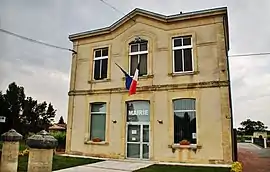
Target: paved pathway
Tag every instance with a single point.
(109, 166)
(254, 158)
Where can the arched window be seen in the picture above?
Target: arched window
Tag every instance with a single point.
(138, 51)
(138, 111)
(185, 120)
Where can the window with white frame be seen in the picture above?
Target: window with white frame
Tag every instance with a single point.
(182, 54)
(185, 120)
(98, 121)
(138, 51)
(100, 63)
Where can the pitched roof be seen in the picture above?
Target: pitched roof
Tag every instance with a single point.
(57, 127)
(142, 12)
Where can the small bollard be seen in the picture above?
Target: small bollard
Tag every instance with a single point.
(41, 146)
(10, 151)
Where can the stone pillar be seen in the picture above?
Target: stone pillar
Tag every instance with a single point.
(41, 152)
(10, 151)
(265, 142)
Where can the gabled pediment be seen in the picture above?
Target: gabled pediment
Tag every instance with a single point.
(152, 15)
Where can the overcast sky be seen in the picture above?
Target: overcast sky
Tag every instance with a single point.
(44, 71)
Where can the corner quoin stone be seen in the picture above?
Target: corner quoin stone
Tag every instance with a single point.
(11, 136)
(42, 140)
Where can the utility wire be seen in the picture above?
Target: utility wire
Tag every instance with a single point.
(250, 54)
(35, 41)
(114, 8)
(236, 55)
(58, 47)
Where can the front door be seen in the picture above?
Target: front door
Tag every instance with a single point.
(137, 129)
(138, 140)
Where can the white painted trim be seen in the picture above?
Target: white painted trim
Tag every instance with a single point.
(102, 57)
(138, 53)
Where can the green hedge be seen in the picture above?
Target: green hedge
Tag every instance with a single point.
(61, 138)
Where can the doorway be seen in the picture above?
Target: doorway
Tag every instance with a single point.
(137, 130)
(138, 140)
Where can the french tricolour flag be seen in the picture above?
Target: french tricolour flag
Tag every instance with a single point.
(131, 83)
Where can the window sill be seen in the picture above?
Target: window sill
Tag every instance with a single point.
(144, 77)
(183, 73)
(96, 143)
(191, 146)
(98, 81)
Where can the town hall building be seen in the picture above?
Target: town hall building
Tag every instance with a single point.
(181, 111)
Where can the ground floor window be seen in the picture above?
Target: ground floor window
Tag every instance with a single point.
(185, 120)
(98, 121)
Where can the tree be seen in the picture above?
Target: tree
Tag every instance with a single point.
(61, 120)
(249, 126)
(14, 98)
(24, 114)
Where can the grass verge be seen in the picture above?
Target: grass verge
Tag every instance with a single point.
(59, 162)
(176, 168)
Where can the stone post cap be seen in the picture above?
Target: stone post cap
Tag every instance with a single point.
(11, 136)
(42, 140)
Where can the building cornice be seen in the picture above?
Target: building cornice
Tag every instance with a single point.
(167, 87)
(149, 14)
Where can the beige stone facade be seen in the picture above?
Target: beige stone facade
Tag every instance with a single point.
(207, 84)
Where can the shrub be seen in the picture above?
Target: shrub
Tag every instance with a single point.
(24, 152)
(61, 138)
(236, 167)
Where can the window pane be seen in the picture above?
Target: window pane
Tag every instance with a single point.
(98, 125)
(143, 47)
(185, 126)
(143, 64)
(184, 104)
(177, 42)
(178, 65)
(145, 151)
(98, 53)
(133, 150)
(145, 133)
(187, 40)
(97, 69)
(134, 133)
(187, 60)
(133, 64)
(98, 107)
(105, 52)
(134, 48)
(104, 67)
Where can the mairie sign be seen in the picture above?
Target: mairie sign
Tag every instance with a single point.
(138, 112)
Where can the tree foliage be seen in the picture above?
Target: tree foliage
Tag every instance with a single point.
(22, 113)
(249, 126)
(61, 120)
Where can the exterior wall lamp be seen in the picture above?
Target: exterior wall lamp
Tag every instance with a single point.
(160, 121)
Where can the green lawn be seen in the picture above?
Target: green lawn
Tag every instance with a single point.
(175, 168)
(59, 162)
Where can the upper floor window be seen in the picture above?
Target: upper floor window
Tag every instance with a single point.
(182, 54)
(185, 120)
(138, 51)
(100, 63)
(98, 121)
